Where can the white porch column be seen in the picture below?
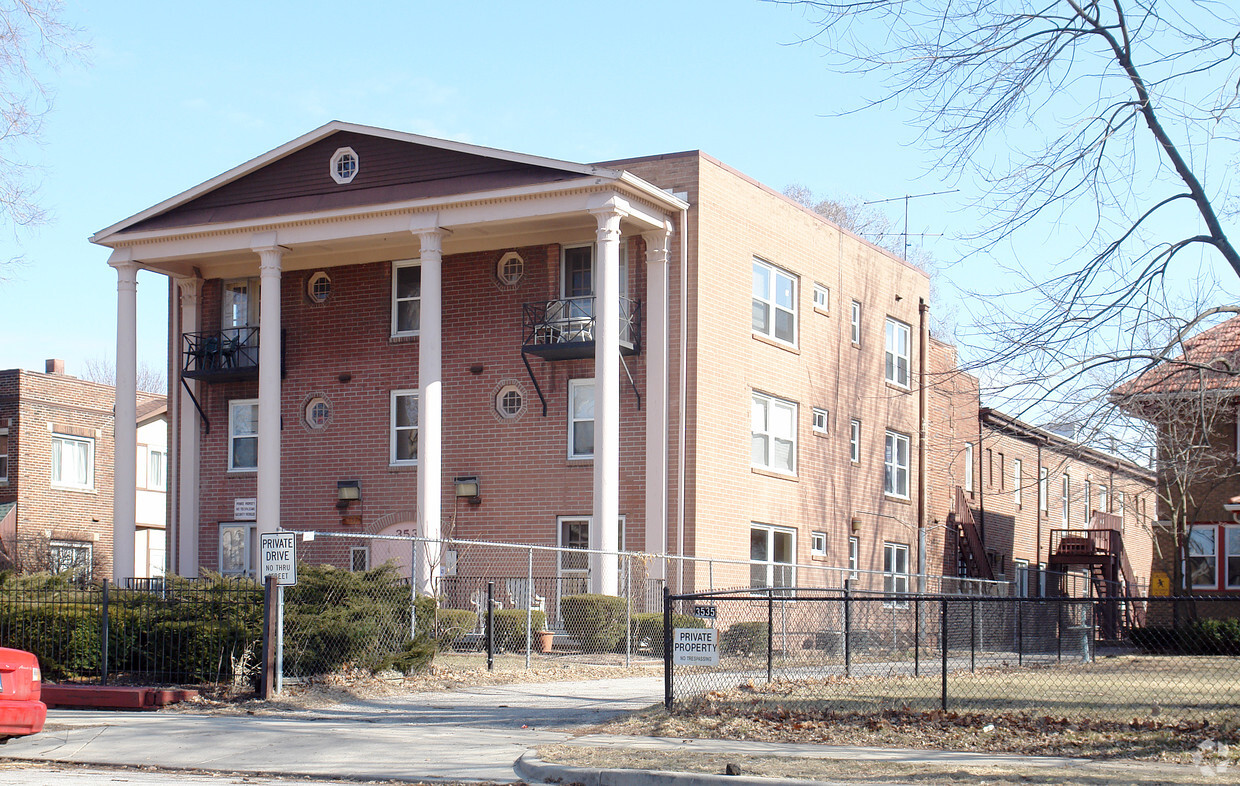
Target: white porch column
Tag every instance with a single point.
(604, 532)
(125, 471)
(188, 443)
(430, 402)
(269, 386)
(655, 340)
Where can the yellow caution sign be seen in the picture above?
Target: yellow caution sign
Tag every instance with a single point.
(1160, 584)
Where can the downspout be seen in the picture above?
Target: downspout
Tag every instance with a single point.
(981, 486)
(172, 476)
(923, 310)
(1038, 542)
(681, 437)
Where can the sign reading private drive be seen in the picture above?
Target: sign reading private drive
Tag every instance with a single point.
(278, 557)
(695, 647)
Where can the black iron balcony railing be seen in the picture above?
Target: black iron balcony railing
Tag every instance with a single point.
(221, 355)
(563, 329)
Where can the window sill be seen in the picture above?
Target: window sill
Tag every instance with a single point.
(822, 433)
(896, 386)
(402, 466)
(822, 311)
(579, 461)
(774, 342)
(770, 473)
(898, 499)
(243, 471)
(403, 338)
(76, 489)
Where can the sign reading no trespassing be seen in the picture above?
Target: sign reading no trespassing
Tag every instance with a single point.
(695, 647)
(278, 557)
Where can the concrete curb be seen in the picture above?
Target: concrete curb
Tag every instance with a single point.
(535, 769)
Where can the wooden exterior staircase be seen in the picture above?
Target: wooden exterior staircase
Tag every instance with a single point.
(972, 552)
(1101, 549)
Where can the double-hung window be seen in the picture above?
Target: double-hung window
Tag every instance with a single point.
(774, 302)
(821, 420)
(406, 297)
(897, 343)
(895, 572)
(855, 322)
(854, 441)
(4, 455)
(1231, 539)
(73, 462)
(854, 556)
(157, 470)
(1043, 495)
(822, 298)
(243, 435)
(968, 467)
(1103, 500)
(895, 465)
(1202, 555)
(404, 427)
(1088, 502)
(1022, 577)
(774, 434)
(771, 556)
(1067, 500)
(581, 418)
(1017, 481)
(818, 544)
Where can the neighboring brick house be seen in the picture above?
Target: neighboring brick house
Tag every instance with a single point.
(1040, 502)
(56, 471)
(1192, 401)
(756, 398)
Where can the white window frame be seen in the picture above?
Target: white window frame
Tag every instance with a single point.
(4, 457)
(1088, 502)
(1043, 490)
(1020, 567)
(1211, 557)
(157, 465)
(895, 581)
(1018, 469)
(1119, 507)
(233, 436)
(1067, 500)
(855, 322)
(396, 301)
(769, 404)
(393, 429)
(820, 420)
(968, 467)
(788, 570)
(817, 543)
(1103, 498)
(822, 298)
(893, 470)
(249, 548)
(82, 568)
(854, 441)
(1231, 579)
(898, 341)
(57, 467)
(770, 301)
(565, 549)
(576, 388)
(353, 552)
(854, 557)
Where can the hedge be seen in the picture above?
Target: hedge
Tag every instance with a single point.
(1198, 637)
(595, 621)
(646, 630)
(745, 638)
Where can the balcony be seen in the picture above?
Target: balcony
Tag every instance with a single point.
(223, 356)
(1082, 547)
(564, 329)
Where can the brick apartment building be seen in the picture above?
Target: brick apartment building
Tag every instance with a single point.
(385, 333)
(1191, 400)
(57, 447)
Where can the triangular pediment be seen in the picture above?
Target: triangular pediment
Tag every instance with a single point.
(392, 167)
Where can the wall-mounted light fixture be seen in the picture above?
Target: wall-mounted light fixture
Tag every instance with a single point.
(468, 488)
(856, 524)
(347, 491)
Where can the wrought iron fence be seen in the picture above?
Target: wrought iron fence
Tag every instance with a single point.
(182, 632)
(848, 652)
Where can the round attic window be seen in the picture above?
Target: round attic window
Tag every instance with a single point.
(510, 268)
(344, 165)
(317, 412)
(319, 287)
(509, 402)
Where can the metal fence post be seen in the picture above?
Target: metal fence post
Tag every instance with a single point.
(413, 589)
(529, 605)
(943, 650)
(1059, 630)
(847, 627)
(917, 636)
(972, 635)
(667, 649)
(490, 625)
(1020, 635)
(770, 630)
(628, 611)
(103, 638)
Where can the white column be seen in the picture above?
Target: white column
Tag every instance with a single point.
(188, 444)
(125, 456)
(603, 532)
(654, 345)
(430, 401)
(269, 387)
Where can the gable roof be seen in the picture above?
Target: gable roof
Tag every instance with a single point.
(393, 166)
(1210, 363)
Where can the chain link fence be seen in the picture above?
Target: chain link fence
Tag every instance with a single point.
(860, 653)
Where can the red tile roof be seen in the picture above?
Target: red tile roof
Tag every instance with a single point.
(1211, 361)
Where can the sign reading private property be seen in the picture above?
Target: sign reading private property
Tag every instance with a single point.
(278, 557)
(245, 509)
(695, 647)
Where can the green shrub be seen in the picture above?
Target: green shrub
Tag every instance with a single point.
(595, 621)
(1198, 637)
(646, 630)
(510, 628)
(744, 638)
(452, 624)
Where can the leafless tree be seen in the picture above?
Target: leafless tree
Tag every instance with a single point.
(103, 371)
(1119, 115)
(34, 39)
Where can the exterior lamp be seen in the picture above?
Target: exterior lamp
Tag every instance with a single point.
(468, 488)
(347, 491)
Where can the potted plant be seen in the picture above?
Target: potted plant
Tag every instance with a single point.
(545, 639)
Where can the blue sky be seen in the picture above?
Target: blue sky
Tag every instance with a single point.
(177, 93)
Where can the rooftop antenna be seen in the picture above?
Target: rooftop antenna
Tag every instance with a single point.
(906, 198)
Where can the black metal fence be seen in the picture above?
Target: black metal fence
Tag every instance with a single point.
(182, 632)
(846, 652)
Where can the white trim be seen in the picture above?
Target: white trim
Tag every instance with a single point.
(895, 577)
(233, 404)
(248, 547)
(392, 460)
(397, 265)
(89, 483)
(814, 549)
(820, 425)
(968, 467)
(892, 467)
(1018, 471)
(893, 331)
(854, 441)
(854, 557)
(575, 386)
(560, 521)
(770, 562)
(769, 435)
(334, 165)
(825, 292)
(770, 300)
(854, 321)
(4, 476)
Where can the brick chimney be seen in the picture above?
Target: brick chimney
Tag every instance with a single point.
(55, 366)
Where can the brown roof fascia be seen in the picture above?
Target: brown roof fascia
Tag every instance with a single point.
(1019, 428)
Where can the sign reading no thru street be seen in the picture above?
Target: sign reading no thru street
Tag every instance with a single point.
(695, 647)
(278, 557)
